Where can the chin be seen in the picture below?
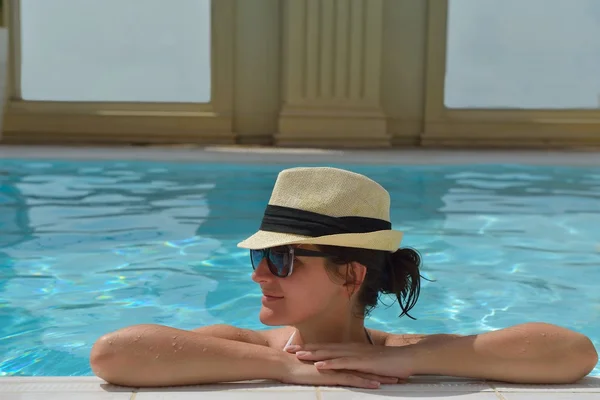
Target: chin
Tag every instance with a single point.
(270, 318)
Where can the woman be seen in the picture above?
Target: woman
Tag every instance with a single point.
(324, 252)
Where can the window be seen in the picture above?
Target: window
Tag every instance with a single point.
(534, 54)
(116, 50)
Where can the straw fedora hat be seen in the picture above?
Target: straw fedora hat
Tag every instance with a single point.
(327, 206)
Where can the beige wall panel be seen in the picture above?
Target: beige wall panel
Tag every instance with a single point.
(403, 69)
(257, 70)
(332, 74)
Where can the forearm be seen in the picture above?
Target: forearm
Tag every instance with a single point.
(529, 353)
(152, 355)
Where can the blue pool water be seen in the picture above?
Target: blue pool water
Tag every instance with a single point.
(90, 247)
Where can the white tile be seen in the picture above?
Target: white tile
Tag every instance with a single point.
(60, 385)
(550, 396)
(222, 394)
(422, 395)
(67, 395)
(424, 387)
(586, 385)
(243, 386)
(53, 379)
(256, 390)
(431, 384)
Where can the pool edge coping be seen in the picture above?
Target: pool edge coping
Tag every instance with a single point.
(271, 155)
(46, 384)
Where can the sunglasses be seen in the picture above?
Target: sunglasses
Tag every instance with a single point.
(280, 260)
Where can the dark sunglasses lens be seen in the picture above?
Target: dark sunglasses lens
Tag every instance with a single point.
(280, 261)
(256, 257)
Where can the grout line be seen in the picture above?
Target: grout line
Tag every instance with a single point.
(500, 395)
(318, 393)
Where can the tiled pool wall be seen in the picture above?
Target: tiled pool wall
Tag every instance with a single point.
(420, 387)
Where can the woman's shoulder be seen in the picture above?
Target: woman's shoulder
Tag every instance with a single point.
(278, 337)
(394, 339)
(383, 338)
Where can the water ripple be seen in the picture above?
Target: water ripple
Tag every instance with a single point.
(90, 247)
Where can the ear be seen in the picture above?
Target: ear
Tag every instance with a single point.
(356, 273)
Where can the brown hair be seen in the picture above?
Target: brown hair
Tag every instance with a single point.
(388, 273)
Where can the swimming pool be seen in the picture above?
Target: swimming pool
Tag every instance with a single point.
(90, 247)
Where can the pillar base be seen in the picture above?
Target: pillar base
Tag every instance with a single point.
(348, 128)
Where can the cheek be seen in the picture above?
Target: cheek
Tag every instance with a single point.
(312, 292)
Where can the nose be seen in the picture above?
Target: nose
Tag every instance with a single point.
(261, 273)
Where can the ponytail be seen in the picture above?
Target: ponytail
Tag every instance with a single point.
(401, 278)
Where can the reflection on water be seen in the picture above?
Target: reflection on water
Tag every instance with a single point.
(92, 247)
(15, 322)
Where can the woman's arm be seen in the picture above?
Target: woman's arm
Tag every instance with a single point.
(156, 355)
(527, 353)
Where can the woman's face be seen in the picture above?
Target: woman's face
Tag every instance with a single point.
(308, 292)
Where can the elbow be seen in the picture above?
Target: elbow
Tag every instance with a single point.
(118, 359)
(103, 359)
(585, 357)
(581, 358)
(571, 358)
(109, 363)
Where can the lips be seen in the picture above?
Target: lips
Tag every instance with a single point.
(270, 296)
(269, 299)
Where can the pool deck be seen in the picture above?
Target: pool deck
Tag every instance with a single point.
(91, 388)
(270, 155)
(51, 388)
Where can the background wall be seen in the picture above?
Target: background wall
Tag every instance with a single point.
(309, 73)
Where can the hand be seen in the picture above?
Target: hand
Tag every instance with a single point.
(379, 360)
(305, 373)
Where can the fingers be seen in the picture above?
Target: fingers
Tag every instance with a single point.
(356, 366)
(350, 363)
(385, 380)
(319, 355)
(353, 363)
(350, 379)
(362, 380)
(333, 360)
(325, 346)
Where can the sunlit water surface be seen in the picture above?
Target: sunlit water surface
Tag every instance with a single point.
(86, 248)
